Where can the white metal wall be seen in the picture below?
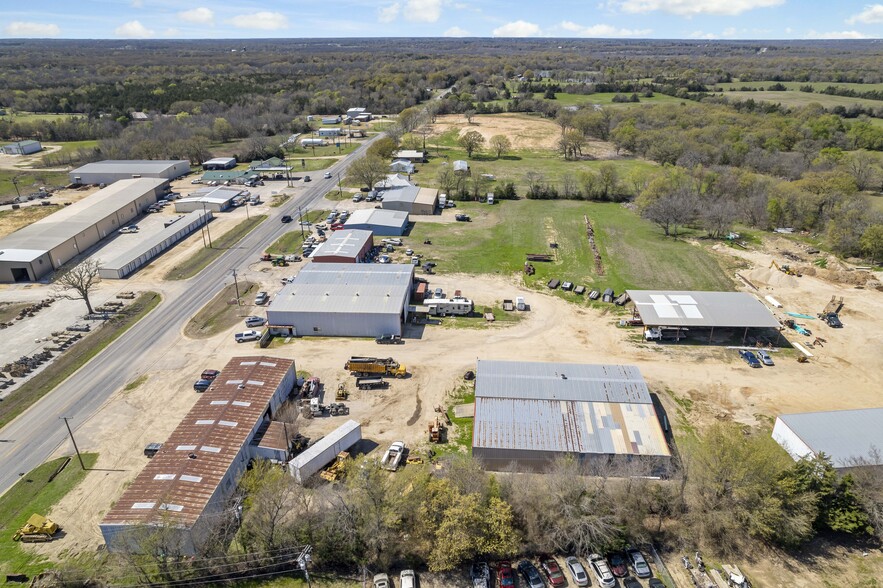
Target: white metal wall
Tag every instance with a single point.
(789, 440)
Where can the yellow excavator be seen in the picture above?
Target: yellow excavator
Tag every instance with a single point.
(785, 269)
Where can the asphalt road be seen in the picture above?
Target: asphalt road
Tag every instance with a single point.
(30, 439)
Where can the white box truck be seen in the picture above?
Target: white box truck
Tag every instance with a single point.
(519, 303)
(324, 451)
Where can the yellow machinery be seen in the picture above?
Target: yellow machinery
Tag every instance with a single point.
(436, 430)
(37, 530)
(785, 269)
(342, 394)
(335, 471)
(370, 366)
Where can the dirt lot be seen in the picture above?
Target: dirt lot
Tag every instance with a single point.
(719, 384)
(13, 220)
(526, 132)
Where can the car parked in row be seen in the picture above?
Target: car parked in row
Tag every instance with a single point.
(765, 357)
(480, 574)
(602, 571)
(255, 321)
(505, 575)
(210, 375)
(261, 298)
(407, 579)
(553, 571)
(618, 564)
(381, 581)
(577, 571)
(202, 385)
(631, 583)
(531, 575)
(750, 358)
(246, 336)
(129, 229)
(639, 564)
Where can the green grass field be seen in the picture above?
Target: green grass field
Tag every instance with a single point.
(634, 252)
(817, 86)
(71, 147)
(32, 116)
(199, 260)
(291, 241)
(802, 99)
(29, 181)
(34, 493)
(606, 98)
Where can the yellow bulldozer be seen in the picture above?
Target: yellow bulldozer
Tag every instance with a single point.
(436, 430)
(38, 529)
(333, 472)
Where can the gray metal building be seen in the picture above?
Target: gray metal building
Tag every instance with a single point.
(843, 435)
(219, 163)
(22, 148)
(35, 250)
(112, 170)
(213, 198)
(343, 300)
(346, 246)
(383, 223)
(527, 414)
(140, 255)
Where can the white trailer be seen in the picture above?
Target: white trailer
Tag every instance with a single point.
(324, 451)
(455, 306)
(312, 142)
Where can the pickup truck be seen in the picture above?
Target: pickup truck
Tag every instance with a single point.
(255, 321)
(245, 336)
(393, 456)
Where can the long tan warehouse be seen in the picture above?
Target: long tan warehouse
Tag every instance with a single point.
(35, 250)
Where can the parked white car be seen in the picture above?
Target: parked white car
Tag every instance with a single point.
(129, 229)
(577, 571)
(407, 579)
(246, 336)
(392, 242)
(255, 321)
(261, 298)
(602, 571)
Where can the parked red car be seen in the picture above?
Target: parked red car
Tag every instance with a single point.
(506, 575)
(552, 571)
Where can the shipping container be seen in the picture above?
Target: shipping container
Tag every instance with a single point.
(325, 451)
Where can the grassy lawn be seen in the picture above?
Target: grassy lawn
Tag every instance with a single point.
(32, 116)
(34, 493)
(29, 181)
(795, 86)
(299, 166)
(197, 262)
(634, 252)
(291, 241)
(502, 318)
(75, 357)
(299, 152)
(338, 196)
(71, 147)
(219, 315)
(277, 200)
(606, 98)
(460, 434)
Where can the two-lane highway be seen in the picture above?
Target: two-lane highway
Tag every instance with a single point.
(35, 435)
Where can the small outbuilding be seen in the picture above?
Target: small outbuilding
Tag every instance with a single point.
(329, 132)
(213, 198)
(22, 148)
(401, 166)
(343, 300)
(384, 223)
(219, 163)
(346, 246)
(461, 166)
(851, 438)
(233, 176)
(411, 155)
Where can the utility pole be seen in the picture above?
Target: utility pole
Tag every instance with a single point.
(339, 187)
(300, 213)
(15, 183)
(303, 560)
(207, 230)
(236, 282)
(77, 449)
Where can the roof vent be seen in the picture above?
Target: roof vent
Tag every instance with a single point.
(241, 386)
(563, 376)
(192, 456)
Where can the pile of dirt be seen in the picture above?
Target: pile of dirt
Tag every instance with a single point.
(841, 276)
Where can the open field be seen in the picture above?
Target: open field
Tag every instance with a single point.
(76, 357)
(606, 99)
(29, 181)
(795, 86)
(634, 252)
(195, 263)
(34, 493)
(802, 99)
(34, 116)
(71, 147)
(13, 220)
(221, 313)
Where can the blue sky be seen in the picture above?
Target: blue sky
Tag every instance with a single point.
(681, 19)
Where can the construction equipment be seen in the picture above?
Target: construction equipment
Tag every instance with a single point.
(436, 431)
(371, 383)
(834, 306)
(312, 408)
(333, 472)
(338, 409)
(785, 268)
(414, 460)
(367, 366)
(393, 456)
(38, 529)
(342, 394)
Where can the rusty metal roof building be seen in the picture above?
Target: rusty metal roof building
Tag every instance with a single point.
(527, 413)
(190, 478)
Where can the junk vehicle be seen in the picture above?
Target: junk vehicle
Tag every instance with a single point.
(367, 366)
(311, 388)
(38, 529)
(457, 306)
(371, 383)
(393, 456)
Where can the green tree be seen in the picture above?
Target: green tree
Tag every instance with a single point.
(500, 144)
(471, 142)
(367, 171)
(383, 148)
(872, 242)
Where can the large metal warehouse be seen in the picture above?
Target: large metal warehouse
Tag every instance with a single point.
(528, 414)
(112, 170)
(35, 250)
(848, 437)
(186, 486)
(346, 246)
(685, 311)
(219, 163)
(400, 194)
(140, 255)
(213, 198)
(383, 223)
(343, 300)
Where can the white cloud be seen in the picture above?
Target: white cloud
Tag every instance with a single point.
(702, 35)
(423, 10)
(872, 14)
(729, 32)
(694, 7)
(133, 30)
(171, 32)
(518, 28)
(456, 32)
(261, 21)
(602, 30)
(836, 35)
(137, 3)
(389, 13)
(198, 16)
(31, 29)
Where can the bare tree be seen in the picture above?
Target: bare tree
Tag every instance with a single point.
(470, 115)
(670, 211)
(862, 168)
(718, 216)
(78, 282)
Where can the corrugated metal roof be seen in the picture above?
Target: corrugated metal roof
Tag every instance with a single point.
(568, 426)
(840, 434)
(70, 221)
(20, 255)
(345, 287)
(178, 487)
(346, 243)
(220, 161)
(142, 247)
(427, 196)
(560, 381)
(377, 216)
(678, 308)
(225, 192)
(128, 166)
